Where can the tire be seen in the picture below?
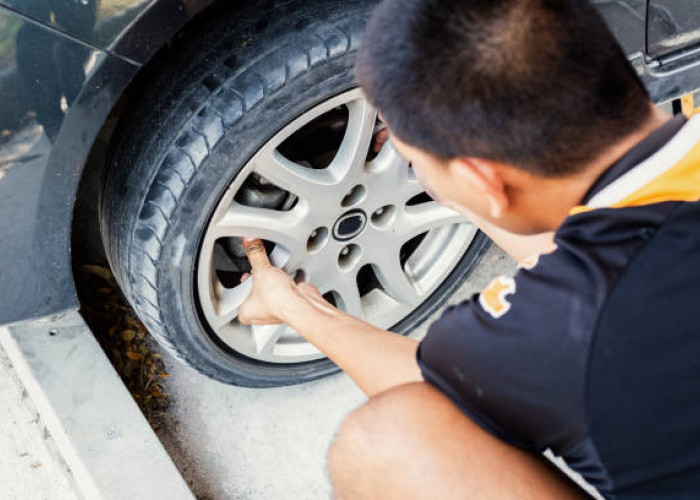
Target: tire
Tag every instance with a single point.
(190, 135)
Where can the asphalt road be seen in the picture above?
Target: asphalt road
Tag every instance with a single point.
(237, 443)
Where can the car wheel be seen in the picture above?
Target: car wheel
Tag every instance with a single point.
(271, 138)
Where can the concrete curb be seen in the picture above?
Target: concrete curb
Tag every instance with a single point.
(111, 450)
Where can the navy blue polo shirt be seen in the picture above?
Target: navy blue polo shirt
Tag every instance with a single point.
(593, 350)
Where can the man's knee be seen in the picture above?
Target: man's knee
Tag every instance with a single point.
(412, 441)
(379, 432)
(380, 447)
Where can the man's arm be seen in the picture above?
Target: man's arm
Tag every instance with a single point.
(375, 359)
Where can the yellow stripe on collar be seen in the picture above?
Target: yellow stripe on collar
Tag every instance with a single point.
(579, 210)
(671, 175)
(680, 183)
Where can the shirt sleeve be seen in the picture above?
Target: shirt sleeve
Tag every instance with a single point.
(513, 358)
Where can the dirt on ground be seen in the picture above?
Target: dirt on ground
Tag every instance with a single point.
(125, 341)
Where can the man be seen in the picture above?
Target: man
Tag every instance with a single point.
(525, 116)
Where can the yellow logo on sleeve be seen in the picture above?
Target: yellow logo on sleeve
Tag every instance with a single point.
(493, 298)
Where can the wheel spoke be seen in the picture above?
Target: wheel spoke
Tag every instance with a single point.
(412, 188)
(228, 303)
(388, 159)
(224, 319)
(349, 296)
(394, 280)
(352, 154)
(282, 228)
(421, 218)
(266, 336)
(389, 168)
(302, 181)
(230, 300)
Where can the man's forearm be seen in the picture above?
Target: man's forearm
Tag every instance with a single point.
(375, 359)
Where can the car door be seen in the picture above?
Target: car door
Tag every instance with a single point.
(673, 25)
(627, 20)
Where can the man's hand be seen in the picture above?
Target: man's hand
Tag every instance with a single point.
(272, 289)
(376, 359)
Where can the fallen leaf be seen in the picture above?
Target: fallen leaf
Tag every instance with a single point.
(128, 335)
(134, 356)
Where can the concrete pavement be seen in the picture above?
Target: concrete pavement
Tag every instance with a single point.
(30, 465)
(228, 442)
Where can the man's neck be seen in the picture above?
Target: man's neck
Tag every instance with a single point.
(562, 194)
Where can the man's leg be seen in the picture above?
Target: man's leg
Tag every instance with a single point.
(411, 442)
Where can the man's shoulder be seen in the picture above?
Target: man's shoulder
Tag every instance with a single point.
(558, 296)
(555, 291)
(514, 356)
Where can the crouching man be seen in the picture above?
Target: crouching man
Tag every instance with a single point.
(525, 116)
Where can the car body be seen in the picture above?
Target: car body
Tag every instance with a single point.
(68, 68)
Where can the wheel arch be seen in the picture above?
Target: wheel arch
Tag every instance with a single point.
(173, 102)
(153, 43)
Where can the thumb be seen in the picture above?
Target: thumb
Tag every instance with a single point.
(255, 250)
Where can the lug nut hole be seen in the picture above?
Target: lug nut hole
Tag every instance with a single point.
(384, 217)
(317, 240)
(355, 196)
(299, 276)
(349, 256)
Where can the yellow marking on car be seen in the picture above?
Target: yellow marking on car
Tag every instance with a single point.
(690, 104)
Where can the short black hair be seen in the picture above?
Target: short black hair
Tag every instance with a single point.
(538, 84)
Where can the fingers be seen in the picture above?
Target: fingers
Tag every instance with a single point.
(255, 250)
(380, 139)
(245, 277)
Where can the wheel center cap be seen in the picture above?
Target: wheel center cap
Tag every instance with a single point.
(349, 225)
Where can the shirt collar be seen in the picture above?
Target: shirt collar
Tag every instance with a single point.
(643, 150)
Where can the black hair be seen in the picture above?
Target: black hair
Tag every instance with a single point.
(538, 84)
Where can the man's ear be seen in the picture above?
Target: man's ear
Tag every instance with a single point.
(485, 177)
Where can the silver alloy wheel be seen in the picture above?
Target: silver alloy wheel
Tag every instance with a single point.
(353, 215)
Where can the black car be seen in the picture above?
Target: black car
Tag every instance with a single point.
(154, 134)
